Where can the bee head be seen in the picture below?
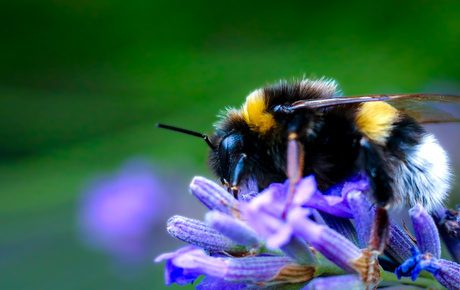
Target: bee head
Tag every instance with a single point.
(231, 157)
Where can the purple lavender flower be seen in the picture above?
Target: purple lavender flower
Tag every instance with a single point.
(336, 282)
(117, 213)
(428, 257)
(363, 214)
(211, 283)
(446, 272)
(233, 228)
(426, 232)
(212, 195)
(448, 223)
(262, 241)
(199, 233)
(186, 264)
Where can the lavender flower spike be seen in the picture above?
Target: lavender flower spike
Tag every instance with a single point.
(425, 231)
(276, 270)
(265, 215)
(232, 228)
(198, 233)
(448, 222)
(186, 264)
(212, 195)
(446, 272)
(399, 244)
(328, 242)
(352, 282)
(211, 283)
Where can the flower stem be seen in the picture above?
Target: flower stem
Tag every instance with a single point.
(423, 282)
(327, 267)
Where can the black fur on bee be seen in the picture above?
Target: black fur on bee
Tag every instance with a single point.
(287, 131)
(337, 142)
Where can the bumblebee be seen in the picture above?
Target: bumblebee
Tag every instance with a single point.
(288, 131)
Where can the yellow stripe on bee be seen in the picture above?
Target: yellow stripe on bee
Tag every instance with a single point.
(254, 112)
(375, 120)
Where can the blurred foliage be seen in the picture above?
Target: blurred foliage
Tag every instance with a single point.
(82, 84)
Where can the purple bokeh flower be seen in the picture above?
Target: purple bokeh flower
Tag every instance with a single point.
(117, 213)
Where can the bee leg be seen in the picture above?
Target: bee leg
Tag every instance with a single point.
(380, 181)
(237, 174)
(295, 158)
(380, 232)
(378, 172)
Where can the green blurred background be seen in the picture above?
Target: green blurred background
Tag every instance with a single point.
(82, 84)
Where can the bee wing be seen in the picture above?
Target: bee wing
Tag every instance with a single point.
(418, 106)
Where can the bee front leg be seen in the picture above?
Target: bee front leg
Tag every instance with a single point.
(294, 168)
(295, 157)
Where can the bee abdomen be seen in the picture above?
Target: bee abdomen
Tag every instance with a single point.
(421, 171)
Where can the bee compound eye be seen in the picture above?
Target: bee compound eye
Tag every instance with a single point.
(228, 153)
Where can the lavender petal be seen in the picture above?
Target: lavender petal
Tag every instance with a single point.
(363, 215)
(334, 205)
(448, 274)
(399, 244)
(188, 263)
(264, 215)
(211, 283)
(352, 282)
(425, 231)
(198, 233)
(406, 269)
(275, 270)
(335, 200)
(299, 251)
(404, 287)
(232, 228)
(328, 242)
(449, 230)
(212, 195)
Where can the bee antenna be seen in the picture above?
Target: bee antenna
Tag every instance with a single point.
(204, 136)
